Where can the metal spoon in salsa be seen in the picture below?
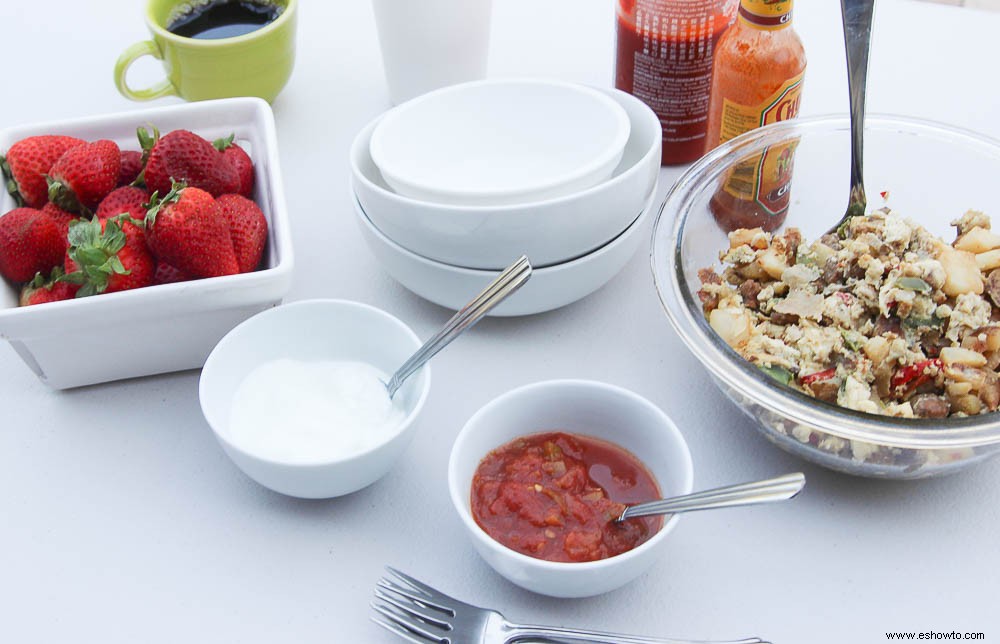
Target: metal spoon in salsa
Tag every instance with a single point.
(568, 498)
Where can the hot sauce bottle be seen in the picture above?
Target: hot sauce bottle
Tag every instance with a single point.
(664, 57)
(757, 79)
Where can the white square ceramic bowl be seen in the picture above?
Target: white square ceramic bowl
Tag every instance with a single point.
(169, 327)
(583, 407)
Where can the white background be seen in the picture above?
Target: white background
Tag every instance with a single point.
(122, 521)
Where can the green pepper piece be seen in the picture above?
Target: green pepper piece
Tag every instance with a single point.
(914, 284)
(782, 375)
(914, 322)
(850, 339)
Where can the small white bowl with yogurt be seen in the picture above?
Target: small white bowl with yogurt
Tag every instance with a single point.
(295, 396)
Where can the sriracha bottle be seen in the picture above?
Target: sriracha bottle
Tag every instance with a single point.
(664, 58)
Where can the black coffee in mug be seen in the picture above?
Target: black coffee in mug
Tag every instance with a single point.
(224, 19)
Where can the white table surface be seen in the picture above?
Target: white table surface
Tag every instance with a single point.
(121, 520)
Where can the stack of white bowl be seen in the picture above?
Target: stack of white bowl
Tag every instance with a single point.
(455, 185)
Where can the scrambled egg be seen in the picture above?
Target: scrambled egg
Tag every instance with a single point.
(887, 319)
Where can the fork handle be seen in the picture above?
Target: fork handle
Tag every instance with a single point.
(518, 633)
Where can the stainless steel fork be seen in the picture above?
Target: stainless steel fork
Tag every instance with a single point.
(423, 615)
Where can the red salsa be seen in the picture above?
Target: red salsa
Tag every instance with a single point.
(555, 496)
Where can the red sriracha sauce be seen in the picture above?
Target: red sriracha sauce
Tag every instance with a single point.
(664, 58)
(555, 496)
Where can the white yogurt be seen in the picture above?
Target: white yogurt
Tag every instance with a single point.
(292, 410)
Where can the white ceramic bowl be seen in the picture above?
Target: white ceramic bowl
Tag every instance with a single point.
(549, 288)
(313, 330)
(581, 407)
(169, 327)
(504, 141)
(549, 231)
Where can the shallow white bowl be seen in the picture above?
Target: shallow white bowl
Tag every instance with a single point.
(549, 288)
(313, 330)
(581, 407)
(549, 231)
(185, 319)
(502, 141)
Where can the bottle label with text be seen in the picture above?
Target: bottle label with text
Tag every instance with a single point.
(765, 178)
(766, 14)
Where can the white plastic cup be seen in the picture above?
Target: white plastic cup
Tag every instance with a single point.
(427, 44)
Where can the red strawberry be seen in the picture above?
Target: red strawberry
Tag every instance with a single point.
(167, 274)
(27, 163)
(107, 255)
(62, 218)
(29, 243)
(247, 227)
(186, 230)
(124, 200)
(240, 160)
(131, 166)
(183, 156)
(41, 290)
(84, 175)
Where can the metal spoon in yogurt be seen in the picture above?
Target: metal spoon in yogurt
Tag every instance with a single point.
(499, 290)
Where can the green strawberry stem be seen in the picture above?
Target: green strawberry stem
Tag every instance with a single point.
(40, 281)
(146, 143)
(155, 204)
(11, 184)
(64, 197)
(95, 254)
(223, 143)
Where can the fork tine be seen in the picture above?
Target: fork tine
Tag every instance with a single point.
(423, 588)
(412, 595)
(405, 634)
(411, 624)
(413, 609)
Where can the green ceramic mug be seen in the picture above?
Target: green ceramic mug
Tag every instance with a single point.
(254, 64)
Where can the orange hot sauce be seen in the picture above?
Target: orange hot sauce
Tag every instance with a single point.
(756, 80)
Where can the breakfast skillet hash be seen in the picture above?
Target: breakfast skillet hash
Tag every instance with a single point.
(887, 320)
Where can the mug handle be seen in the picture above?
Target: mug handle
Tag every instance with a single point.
(129, 56)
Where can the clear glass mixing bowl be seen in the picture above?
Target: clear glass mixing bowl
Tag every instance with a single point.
(929, 172)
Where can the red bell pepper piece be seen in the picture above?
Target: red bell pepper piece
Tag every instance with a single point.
(826, 374)
(914, 375)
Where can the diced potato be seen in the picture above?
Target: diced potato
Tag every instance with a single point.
(773, 261)
(963, 373)
(989, 260)
(958, 355)
(877, 349)
(978, 240)
(752, 271)
(962, 271)
(984, 339)
(956, 389)
(746, 236)
(733, 325)
(992, 334)
(967, 404)
(990, 393)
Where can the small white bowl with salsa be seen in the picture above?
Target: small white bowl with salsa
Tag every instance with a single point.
(538, 474)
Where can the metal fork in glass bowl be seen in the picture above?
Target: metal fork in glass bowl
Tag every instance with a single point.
(421, 614)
